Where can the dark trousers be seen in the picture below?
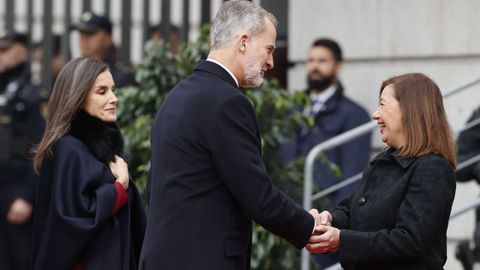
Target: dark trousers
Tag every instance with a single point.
(15, 240)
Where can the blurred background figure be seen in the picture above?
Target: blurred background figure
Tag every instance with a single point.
(174, 37)
(57, 61)
(21, 125)
(96, 41)
(468, 146)
(333, 114)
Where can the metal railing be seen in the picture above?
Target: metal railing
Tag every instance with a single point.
(308, 197)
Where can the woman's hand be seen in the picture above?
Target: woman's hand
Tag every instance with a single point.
(119, 170)
(326, 218)
(20, 211)
(326, 239)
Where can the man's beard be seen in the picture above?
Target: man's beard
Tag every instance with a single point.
(322, 84)
(253, 71)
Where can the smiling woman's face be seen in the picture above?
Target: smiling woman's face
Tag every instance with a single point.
(389, 118)
(101, 101)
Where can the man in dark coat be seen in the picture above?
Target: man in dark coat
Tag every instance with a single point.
(21, 125)
(208, 180)
(334, 114)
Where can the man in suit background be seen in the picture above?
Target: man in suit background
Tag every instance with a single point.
(208, 180)
(334, 114)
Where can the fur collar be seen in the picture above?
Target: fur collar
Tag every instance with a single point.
(102, 139)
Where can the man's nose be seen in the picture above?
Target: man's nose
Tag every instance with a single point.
(270, 63)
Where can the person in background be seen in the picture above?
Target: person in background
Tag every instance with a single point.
(174, 37)
(333, 114)
(21, 126)
(96, 41)
(57, 61)
(468, 143)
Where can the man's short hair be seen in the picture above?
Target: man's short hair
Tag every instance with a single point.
(235, 17)
(157, 28)
(331, 45)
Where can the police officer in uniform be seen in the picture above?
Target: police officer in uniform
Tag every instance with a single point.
(96, 41)
(21, 125)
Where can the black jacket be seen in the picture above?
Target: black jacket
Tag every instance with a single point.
(397, 217)
(77, 219)
(468, 146)
(21, 126)
(208, 180)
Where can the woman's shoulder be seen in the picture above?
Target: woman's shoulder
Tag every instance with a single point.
(434, 159)
(70, 145)
(435, 166)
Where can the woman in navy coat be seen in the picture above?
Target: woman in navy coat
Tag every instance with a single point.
(398, 215)
(89, 213)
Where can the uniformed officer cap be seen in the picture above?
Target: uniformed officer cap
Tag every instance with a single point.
(7, 38)
(90, 22)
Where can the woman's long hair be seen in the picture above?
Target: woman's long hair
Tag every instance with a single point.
(71, 87)
(423, 117)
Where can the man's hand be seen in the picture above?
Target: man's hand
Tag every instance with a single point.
(326, 239)
(316, 216)
(20, 211)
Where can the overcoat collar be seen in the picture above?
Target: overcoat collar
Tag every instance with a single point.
(212, 68)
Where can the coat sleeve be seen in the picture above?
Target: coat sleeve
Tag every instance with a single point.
(341, 214)
(235, 146)
(432, 186)
(83, 197)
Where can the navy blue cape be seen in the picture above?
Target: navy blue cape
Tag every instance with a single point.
(74, 221)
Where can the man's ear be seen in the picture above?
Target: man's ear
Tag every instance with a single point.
(243, 43)
(338, 67)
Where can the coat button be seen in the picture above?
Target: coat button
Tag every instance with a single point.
(362, 200)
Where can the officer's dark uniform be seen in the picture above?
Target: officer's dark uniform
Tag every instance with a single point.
(21, 125)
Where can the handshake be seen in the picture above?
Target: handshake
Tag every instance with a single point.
(325, 238)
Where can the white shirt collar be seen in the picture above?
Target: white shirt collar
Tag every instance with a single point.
(224, 67)
(323, 96)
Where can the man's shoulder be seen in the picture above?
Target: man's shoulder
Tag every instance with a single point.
(208, 85)
(349, 106)
(201, 92)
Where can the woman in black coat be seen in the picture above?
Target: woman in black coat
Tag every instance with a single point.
(397, 217)
(89, 214)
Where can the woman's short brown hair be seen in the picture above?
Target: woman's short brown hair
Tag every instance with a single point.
(423, 117)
